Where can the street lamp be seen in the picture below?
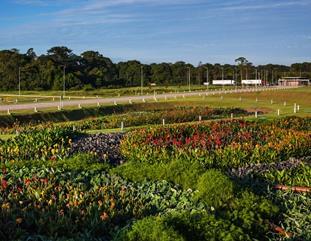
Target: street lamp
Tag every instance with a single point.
(206, 77)
(189, 77)
(19, 81)
(64, 80)
(141, 79)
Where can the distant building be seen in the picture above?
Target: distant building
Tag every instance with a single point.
(251, 82)
(224, 82)
(293, 81)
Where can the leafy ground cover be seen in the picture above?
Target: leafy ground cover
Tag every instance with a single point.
(182, 182)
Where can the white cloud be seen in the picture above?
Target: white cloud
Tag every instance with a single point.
(265, 5)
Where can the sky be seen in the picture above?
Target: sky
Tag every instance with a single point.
(207, 31)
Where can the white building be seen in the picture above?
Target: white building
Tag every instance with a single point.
(224, 82)
(251, 82)
(293, 81)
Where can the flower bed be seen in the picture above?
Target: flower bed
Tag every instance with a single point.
(217, 144)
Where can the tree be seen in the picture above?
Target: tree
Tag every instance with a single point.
(242, 61)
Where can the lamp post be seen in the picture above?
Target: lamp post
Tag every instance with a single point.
(64, 80)
(19, 81)
(189, 77)
(141, 79)
(207, 77)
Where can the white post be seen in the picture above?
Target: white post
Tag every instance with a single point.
(200, 118)
(298, 107)
(278, 112)
(256, 114)
(295, 108)
(231, 116)
(122, 126)
(163, 121)
(35, 109)
(9, 113)
(284, 103)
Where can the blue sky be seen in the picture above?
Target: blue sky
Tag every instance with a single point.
(214, 31)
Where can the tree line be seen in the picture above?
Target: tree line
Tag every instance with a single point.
(93, 70)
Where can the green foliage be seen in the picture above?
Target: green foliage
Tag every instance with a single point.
(150, 229)
(91, 68)
(215, 188)
(63, 204)
(200, 225)
(37, 144)
(179, 172)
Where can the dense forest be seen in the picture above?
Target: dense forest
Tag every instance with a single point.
(92, 70)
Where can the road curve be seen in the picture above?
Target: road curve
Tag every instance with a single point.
(128, 99)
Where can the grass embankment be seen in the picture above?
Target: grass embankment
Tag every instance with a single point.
(260, 101)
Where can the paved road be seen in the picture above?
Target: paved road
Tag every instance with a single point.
(127, 99)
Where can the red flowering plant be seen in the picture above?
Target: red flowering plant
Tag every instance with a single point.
(219, 144)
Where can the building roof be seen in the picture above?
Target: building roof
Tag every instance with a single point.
(299, 79)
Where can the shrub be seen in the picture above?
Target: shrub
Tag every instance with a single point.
(215, 188)
(150, 229)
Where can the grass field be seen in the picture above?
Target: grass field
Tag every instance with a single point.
(268, 103)
(115, 92)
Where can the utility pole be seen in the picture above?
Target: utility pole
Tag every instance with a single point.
(141, 79)
(189, 77)
(64, 80)
(207, 77)
(19, 81)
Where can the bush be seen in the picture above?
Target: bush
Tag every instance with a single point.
(179, 172)
(150, 229)
(200, 225)
(215, 188)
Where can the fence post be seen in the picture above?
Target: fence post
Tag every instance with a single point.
(295, 108)
(256, 114)
(163, 121)
(122, 126)
(200, 118)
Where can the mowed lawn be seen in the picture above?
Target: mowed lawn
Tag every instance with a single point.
(266, 101)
